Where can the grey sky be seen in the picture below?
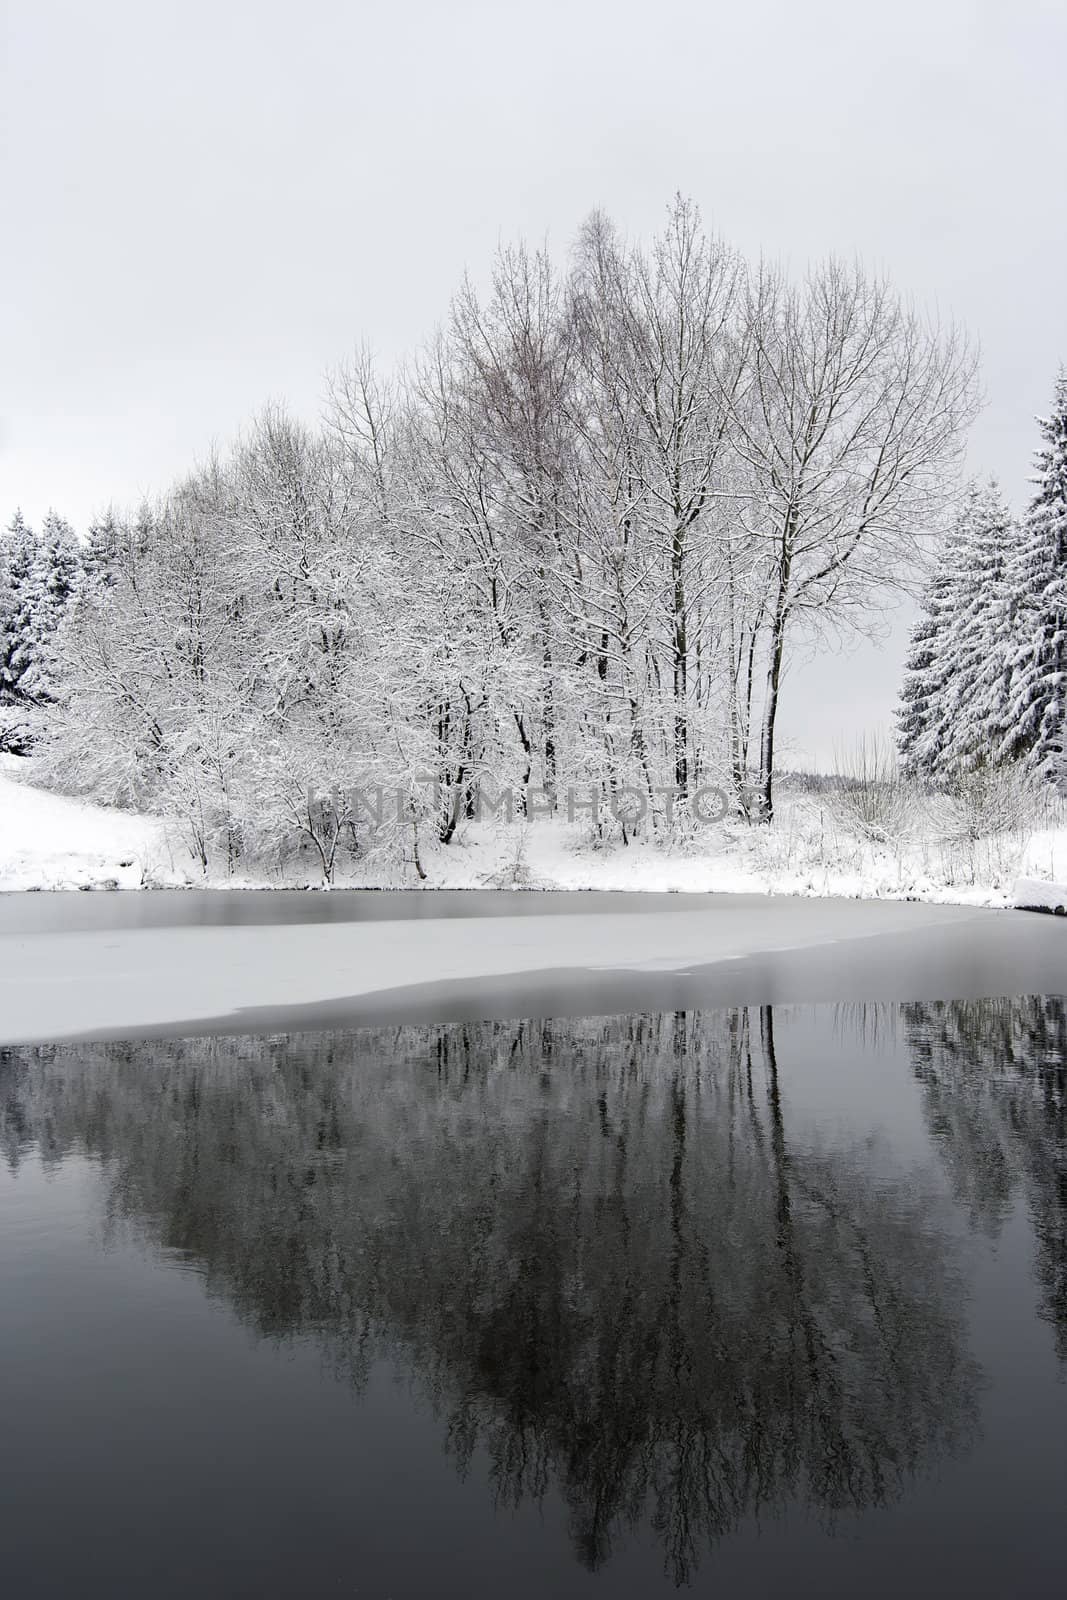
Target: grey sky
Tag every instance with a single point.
(207, 205)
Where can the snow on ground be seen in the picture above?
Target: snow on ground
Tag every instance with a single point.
(1037, 894)
(48, 841)
(1045, 856)
(796, 856)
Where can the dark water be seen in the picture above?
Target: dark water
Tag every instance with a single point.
(768, 1302)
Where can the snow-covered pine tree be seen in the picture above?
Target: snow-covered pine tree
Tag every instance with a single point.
(58, 574)
(974, 706)
(1036, 724)
(103, 544)
(950, 718)
(918, 715)
(39, 575)
(18, 548)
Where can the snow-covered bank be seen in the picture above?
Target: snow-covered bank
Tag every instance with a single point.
(48, 841)
(1033, 894)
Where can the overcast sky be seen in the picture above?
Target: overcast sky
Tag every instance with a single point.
(205, 206)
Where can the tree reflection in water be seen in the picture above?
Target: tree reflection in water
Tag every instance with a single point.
(994, 1077)
(596, 1245)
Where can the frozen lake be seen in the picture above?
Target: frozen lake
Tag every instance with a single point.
(120, 965)
(572, 1245)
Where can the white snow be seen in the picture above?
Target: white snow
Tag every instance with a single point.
(48, 841)
(1033, 894)
(1045, 855)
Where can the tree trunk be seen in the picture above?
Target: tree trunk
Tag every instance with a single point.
(681, 670)
(770, 715)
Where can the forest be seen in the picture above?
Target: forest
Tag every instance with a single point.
(573, 544)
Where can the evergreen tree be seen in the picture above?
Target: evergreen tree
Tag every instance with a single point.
(974, 707)
(918, 719)
(102, 550)
(39, 576)
(1036, 723)
(57, 572)
(952, 710)
(17, 559)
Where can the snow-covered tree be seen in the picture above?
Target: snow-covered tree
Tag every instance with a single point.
(102, 548)
(952, 702)
(850, 429)
(919, 715)
(39, 575)
(1036, 662)
(572, 545)
(17, 556)
(57, 575)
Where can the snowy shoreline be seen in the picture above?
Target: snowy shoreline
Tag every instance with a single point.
(51, 841)
(774, 927)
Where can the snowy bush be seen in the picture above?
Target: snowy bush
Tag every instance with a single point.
(989, 801)
(872, 799)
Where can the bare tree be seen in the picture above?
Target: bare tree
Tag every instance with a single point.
(850, 427)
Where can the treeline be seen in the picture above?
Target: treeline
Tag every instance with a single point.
(986, 677)
(573, 544)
